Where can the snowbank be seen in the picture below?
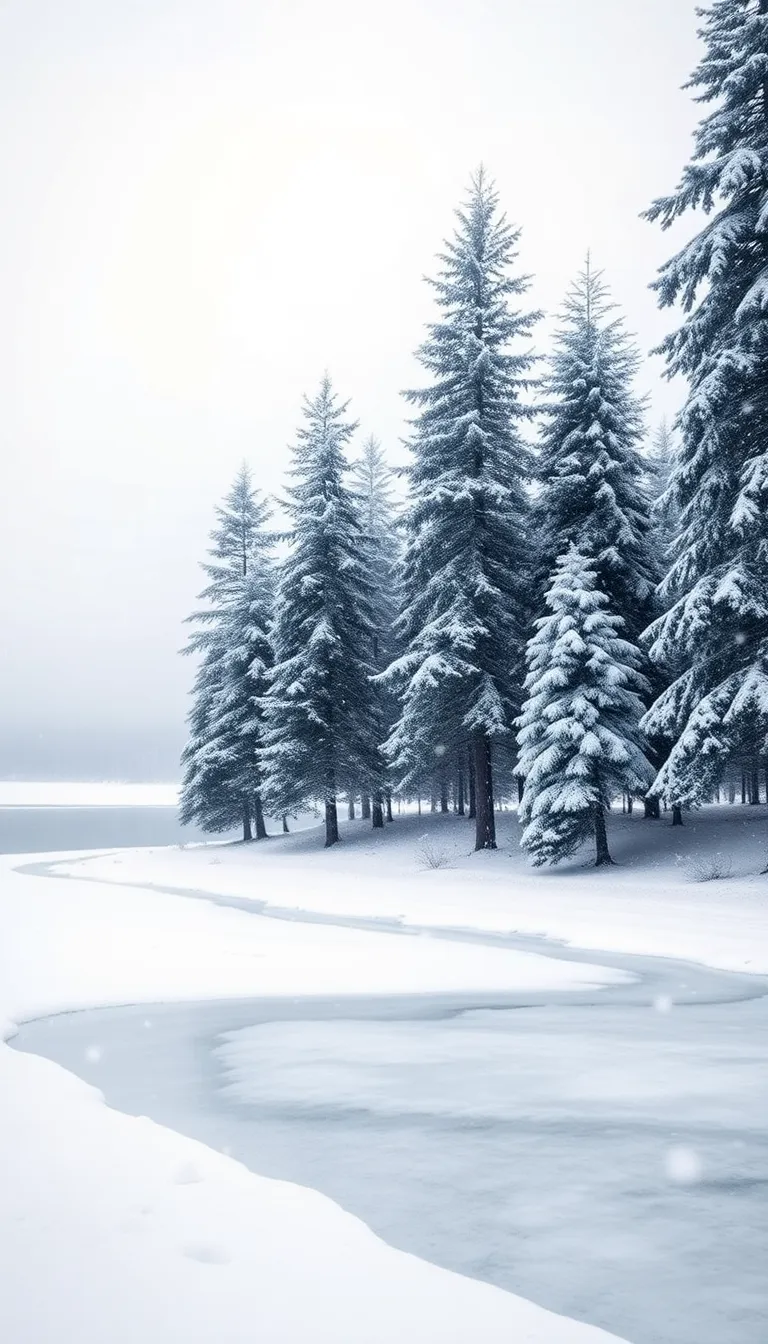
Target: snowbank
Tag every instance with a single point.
(652, 903)
(113, 1227)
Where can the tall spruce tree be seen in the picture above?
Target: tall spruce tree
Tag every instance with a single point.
(372, 483)
(465, 568)
(593, 479)
(321, 723)
(222, 779)
(715, 629)
(579, 735)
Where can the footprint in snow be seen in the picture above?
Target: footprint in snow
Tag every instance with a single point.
(207, 1255)
(187, 1174)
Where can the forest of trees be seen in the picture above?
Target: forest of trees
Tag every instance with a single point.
(561, 608)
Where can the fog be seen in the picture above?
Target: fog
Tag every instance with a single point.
(204, 205)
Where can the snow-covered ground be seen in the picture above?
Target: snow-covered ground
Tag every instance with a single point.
(20, 793)
(115, 1228)
(654, 902)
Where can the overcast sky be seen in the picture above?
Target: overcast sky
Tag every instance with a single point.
(203, 204)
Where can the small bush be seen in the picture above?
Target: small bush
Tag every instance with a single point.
(709, 867)
(433, 856)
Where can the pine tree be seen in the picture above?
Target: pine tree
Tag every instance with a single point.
(372, 484)
(715, 630)
(464, 571)
(580, 743)
(222, 783)
(321, 725)
(593, 491)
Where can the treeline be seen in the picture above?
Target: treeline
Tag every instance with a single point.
(557, 610)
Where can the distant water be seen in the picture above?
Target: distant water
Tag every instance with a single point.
(35, 830)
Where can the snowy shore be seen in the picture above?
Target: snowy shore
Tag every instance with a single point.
(116, 1226)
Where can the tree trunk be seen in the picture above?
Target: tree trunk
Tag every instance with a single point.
(754, 791)
(472, 789)
(418, 806)
(258, 811)
(651, 809)
(677, 814)
(351, 808)
(602, 855)
(485, 822)
(365, 807)
(388, 809)
(444, 794)
(247, 832)
(520, 787)
(743, 786)
(630, 803)
(377, 813)
(331, 823)
(460, 792)
(285, 824)
(732, 790)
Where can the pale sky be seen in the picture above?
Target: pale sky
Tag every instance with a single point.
(204, 204)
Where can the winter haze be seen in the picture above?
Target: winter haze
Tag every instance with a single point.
(203, 207)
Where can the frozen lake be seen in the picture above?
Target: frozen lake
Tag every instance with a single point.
(37, 830)
(605, 1155)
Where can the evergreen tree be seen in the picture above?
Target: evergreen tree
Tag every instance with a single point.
(372, 483)
(222, 784)
(321, 724)
(591, 468)
(715, 629)
(464, 573)
(580, 743)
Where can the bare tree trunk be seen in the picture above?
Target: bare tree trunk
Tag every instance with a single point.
(460, 791)
(485, 822)
(331, 823)
(732, 789)
(754, 792)
(630, 804)
(258, 811)
(285, 824)
(743, 786)
(365, 807)
(443, 794)
(418, 805)
(677, 814)
(388, 806)
(603, 857)
(377, 817)
(520, 787)
(247, 833)
(351, 808)
(472, 789)
(433, 801)
(651, 809)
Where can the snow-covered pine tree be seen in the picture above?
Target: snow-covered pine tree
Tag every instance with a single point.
(591, 469)
(372, 483)
(321, 724)
(222, 784)
(580, 743)
(466, 562)
(716, 589)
